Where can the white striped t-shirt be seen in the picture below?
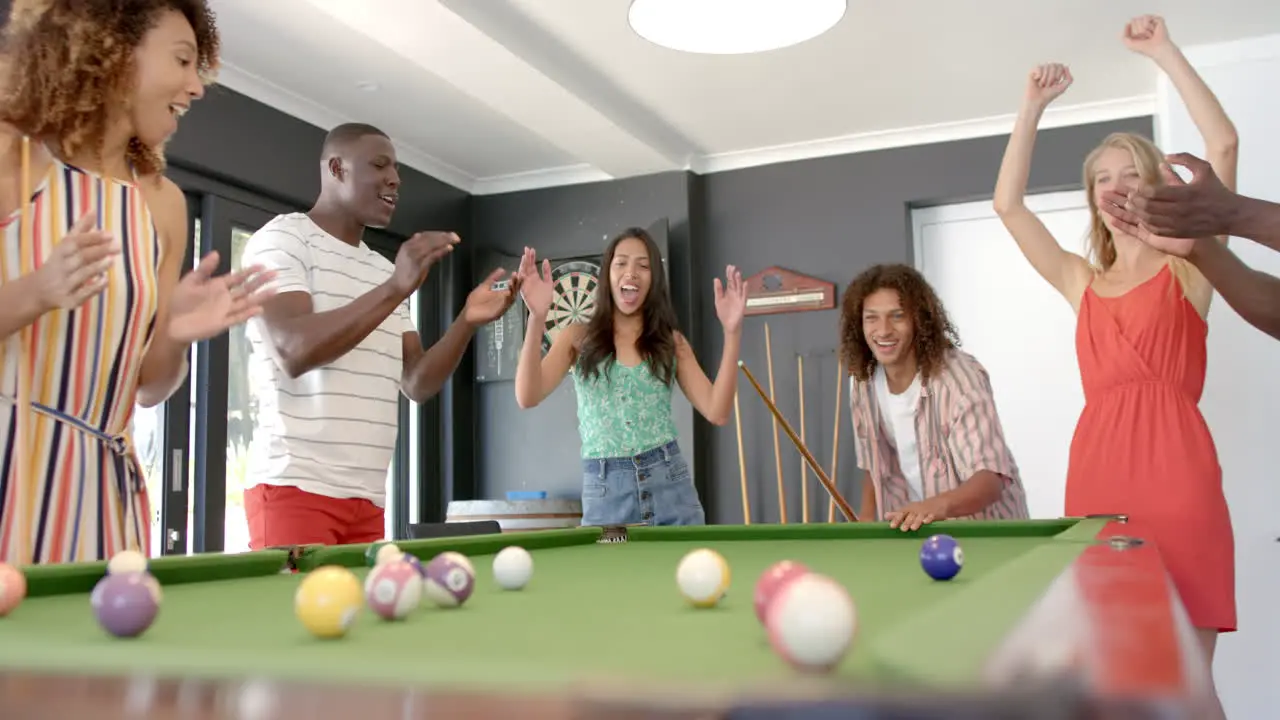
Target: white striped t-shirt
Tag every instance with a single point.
(331, 431)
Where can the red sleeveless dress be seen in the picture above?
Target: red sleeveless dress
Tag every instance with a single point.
(1142, 448)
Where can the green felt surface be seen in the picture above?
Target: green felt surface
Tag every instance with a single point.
(592, 611)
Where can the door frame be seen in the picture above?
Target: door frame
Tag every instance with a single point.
(218, 217)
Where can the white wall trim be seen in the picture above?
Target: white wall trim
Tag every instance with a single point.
(286, 101)
(537, 179)
(289, 102)
(1137, 106)
(984, 210)
(1081, 114)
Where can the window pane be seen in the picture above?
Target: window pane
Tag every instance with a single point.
(242, 418)
(148, 442)
(191, 402)
(410, 435)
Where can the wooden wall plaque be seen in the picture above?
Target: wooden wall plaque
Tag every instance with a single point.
(778, 290)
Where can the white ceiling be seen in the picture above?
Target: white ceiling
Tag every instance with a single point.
(498, 95)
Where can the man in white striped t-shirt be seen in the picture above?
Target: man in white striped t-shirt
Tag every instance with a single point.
(334, 348)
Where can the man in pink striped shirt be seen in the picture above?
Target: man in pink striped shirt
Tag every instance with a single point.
(924, 416)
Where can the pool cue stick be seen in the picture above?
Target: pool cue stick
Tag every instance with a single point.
(835, 442)
(21, 414)
(813, 464)
(777, 451)
(804, 469)
(742, 463)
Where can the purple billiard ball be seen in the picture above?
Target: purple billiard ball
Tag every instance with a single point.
(125, 604)
(448, 582)
(941, 557)
(417, 564)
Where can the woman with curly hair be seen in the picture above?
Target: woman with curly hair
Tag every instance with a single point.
(928, 437)
(1141, 447)
(93, 314)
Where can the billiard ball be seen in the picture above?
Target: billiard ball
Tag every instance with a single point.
(461, 559)
(13, 588)
(812, 622)
(941, 557)
(703, 577)
(327, 601)
(153, 586)
(371, 554)
(512, 568)
(393, 590)
(124, 603)
(388, 553)
(417, 565)
(773, 578)
(127, 561)
(448, 583)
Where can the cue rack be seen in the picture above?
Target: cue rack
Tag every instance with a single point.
(773, 291)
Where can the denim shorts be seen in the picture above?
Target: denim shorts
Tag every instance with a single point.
(653, 488)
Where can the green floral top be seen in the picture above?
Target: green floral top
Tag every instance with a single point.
(623, 411)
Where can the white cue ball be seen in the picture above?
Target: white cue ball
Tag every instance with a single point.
(388, 553)
(512, 568)
(812, 622)
(127, 562)
(703, 577)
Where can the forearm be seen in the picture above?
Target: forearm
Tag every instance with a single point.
(19, 306)
(438, 363)
(1202, 105)
(1254, 295)
(1015, 168)
(974, 495)
(163, 371)
(1257, 220)
(726, 382)
(529, 365)
(311, 340)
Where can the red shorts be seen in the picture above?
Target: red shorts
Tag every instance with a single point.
(282, 515)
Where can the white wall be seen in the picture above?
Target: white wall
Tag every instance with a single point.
(1020, 328)
(1242, 391)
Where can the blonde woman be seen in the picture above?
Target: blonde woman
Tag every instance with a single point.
(1141, 447)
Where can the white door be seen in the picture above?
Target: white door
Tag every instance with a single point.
(1018, 326)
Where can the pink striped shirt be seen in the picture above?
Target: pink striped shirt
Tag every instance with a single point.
(958, 433)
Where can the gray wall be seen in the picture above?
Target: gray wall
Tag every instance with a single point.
(829, 217)
(232, 138)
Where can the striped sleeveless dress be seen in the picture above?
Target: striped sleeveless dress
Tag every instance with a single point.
(79, 495)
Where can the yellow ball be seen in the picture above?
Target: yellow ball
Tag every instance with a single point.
(703, 577)
(328, 600)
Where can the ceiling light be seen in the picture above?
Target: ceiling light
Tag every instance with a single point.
(731, 27)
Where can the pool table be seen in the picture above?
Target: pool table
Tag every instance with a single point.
(1071, 603)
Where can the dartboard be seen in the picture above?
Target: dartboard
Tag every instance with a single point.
(573, 287)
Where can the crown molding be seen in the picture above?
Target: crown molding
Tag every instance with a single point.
(1080, 114)
(289, 102)
(286, 101)
(537, 179)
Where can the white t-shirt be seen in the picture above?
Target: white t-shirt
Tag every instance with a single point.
(899, 412)
(331, 431)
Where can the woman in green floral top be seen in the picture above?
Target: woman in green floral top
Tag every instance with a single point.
(624, 362)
